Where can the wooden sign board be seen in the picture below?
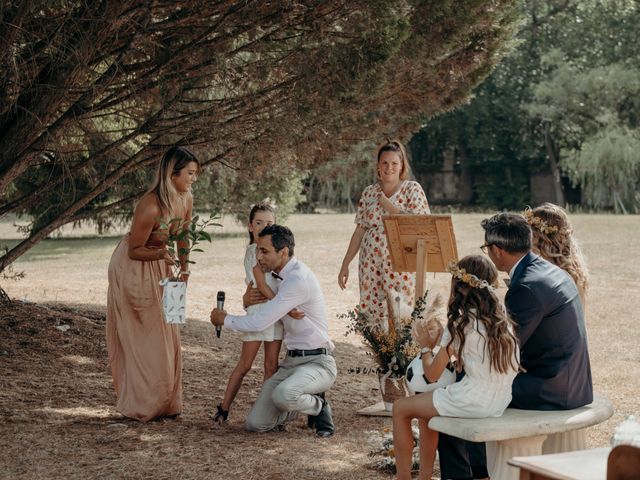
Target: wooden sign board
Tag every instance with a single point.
(403, 233)
(420, 243)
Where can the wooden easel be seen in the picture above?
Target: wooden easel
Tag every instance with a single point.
(421, 244)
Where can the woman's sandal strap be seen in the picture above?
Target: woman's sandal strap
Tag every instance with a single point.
(221, 415)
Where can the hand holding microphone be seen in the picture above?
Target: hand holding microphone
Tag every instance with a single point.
(220, 299)
(218, 313)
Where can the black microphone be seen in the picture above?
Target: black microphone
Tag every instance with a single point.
(220, 306)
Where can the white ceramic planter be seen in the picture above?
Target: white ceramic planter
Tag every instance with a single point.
(174, 301)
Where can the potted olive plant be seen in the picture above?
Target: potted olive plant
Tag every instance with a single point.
(182, 238)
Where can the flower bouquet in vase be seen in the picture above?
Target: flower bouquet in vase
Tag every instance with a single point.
(390, 343)
(182, 237)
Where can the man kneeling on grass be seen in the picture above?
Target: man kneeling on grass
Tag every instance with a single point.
(309, 368)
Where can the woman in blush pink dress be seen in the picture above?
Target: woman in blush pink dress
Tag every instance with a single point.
(144, 351)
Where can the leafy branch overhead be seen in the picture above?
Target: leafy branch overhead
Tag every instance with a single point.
(91, 94)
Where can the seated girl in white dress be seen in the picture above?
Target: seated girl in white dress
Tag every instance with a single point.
(481, 337)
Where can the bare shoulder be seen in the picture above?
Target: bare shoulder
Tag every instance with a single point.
(148, 207)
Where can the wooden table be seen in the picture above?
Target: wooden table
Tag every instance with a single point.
(578, 465)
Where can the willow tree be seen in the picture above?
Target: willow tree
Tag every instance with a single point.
(92, 92)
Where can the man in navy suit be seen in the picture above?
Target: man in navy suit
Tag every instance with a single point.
(543, 301)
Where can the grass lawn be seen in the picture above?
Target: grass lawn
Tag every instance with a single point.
(56, 400)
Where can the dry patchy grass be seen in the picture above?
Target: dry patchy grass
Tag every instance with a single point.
(56, 399)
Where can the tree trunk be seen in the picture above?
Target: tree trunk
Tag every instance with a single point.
(89, 83)
(552, 155)
(66, 215)
(4, 298)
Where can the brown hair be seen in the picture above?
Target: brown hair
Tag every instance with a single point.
(396, 147)
(557, 245)
(469, 304)
(263, 206)
(509, 231)
(174, 160)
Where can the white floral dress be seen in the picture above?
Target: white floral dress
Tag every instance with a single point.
(375, 272)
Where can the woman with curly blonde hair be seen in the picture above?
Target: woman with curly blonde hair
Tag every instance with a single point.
(553, 240)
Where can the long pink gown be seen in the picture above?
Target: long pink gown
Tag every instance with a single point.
(144, 351)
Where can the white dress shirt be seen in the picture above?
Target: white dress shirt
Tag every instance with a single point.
(299, 288)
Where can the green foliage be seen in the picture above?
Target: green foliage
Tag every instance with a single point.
(607, 165)
(233, 192)
(574, 74)
(594, 113)
(580, 102)
(588, 97)
(270, 90)
(182, 236)
(337, 184)
(488, 139)
(592, 33)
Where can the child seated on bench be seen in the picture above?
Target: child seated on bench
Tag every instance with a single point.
(481, 337)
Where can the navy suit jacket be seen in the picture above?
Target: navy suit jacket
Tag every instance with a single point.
(543, 301)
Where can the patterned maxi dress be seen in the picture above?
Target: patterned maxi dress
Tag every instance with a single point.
(375, 272)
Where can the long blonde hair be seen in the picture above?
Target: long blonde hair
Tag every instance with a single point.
(553, 240)
(174, 160)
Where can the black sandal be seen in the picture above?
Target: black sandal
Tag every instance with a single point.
(221, 415)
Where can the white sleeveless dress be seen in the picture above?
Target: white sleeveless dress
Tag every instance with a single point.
(272, 332)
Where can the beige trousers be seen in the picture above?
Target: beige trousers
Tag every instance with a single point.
(292, 389)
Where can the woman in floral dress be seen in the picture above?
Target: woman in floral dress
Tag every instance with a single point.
(392, 194)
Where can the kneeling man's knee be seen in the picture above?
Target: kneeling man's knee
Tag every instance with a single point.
(255, 423)
(285, 399)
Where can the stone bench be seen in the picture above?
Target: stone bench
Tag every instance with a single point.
(521, 433)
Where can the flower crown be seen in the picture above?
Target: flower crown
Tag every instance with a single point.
(465, 277)
(538, 223)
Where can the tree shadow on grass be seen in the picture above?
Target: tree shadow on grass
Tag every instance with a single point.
(57, 398)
